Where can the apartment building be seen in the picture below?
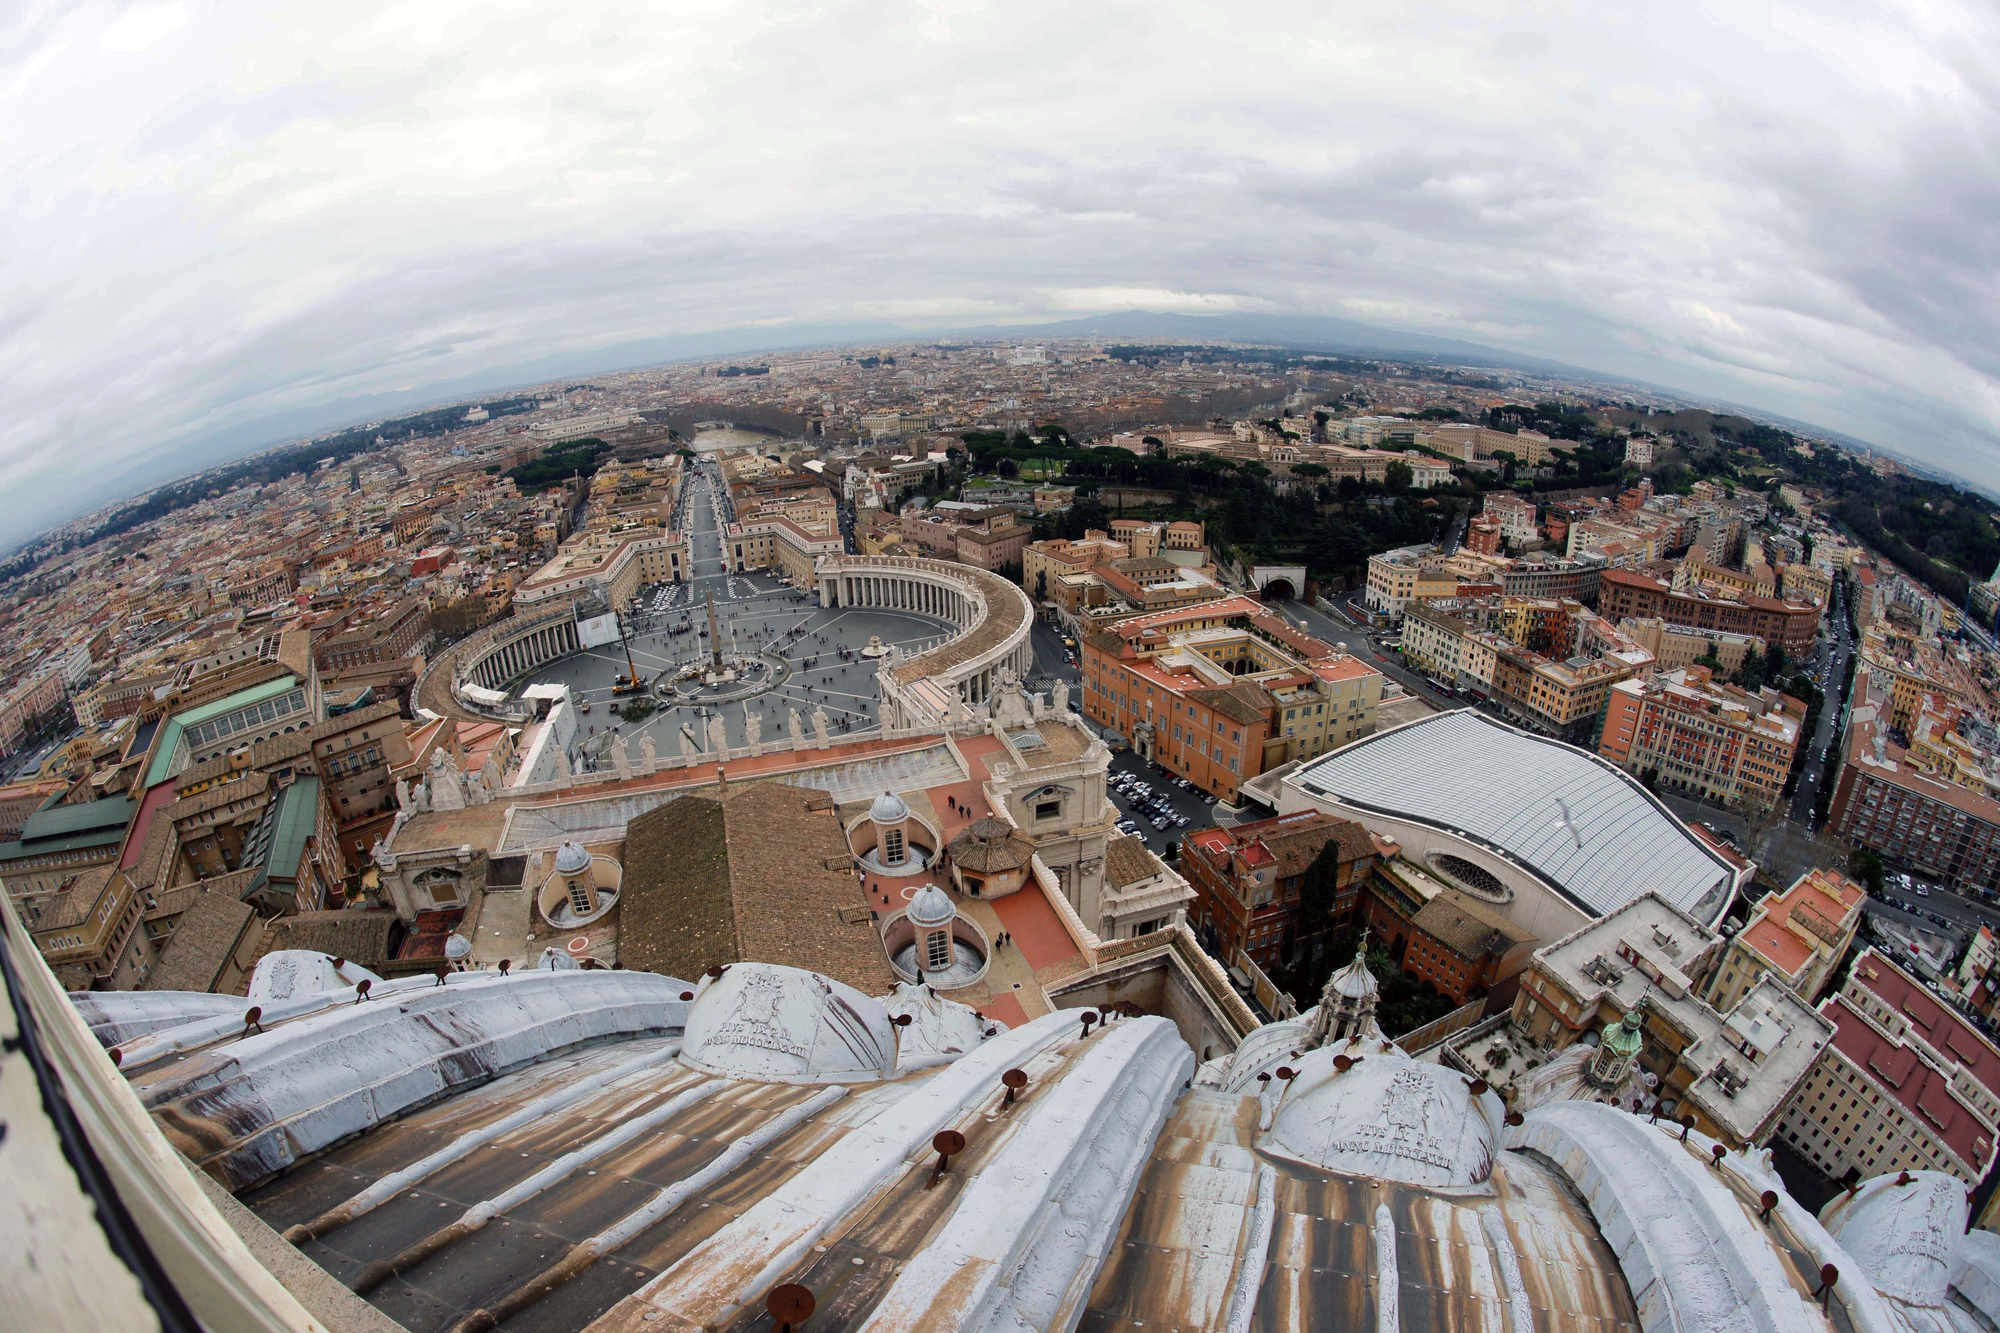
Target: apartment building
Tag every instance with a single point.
(1906, 1085)
(1798, 935)
(1422, 574)
(1735, 1070)
(1205, 689)
(1716, 742)
(1538, 575)
(1624, 593)
(1247, 878)
(1044, 563)
(1884, 801)
(1517, 517)
(1676, 646)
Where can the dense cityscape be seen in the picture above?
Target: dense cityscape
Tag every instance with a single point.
(1355, 808)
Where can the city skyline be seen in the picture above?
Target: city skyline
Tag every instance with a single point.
(262, 223)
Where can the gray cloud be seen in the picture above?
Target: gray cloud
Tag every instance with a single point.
(218, 218)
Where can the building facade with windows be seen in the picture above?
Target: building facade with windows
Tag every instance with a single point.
(1906, 1085)
(1247, 880)
(1715, 742)
(1799, 936)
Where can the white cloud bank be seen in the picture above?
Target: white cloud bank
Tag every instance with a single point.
(218, 213)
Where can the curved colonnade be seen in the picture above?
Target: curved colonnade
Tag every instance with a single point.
(992, 614)
(492, 657)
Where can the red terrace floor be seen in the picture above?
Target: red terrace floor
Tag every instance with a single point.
(1035, 928)
(1007, 1009)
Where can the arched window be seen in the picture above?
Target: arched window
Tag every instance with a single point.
(892, 847)
(579, 898)
(937, 950)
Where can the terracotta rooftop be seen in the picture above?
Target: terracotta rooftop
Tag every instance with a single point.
(761, 871)
(203, 940)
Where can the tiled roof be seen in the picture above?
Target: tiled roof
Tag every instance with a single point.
(1126, 861)
(1923, 1091)
(760, 872)
(989, 845)
(363, 937)
(1939, 1026)
(203, 940)
(1467, 927)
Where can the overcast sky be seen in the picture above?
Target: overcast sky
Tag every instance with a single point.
(219, 214)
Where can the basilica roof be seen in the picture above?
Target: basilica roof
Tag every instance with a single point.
(585, 1149)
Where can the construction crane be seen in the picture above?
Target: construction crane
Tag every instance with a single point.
(629, 683)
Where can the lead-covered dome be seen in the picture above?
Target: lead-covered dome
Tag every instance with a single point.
(572, 859)
(931, 907)
(1385, 1117)
(1355, 981)
(888, 809)
(772, 1023)
(1906, 1236)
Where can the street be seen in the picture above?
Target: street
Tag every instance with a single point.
(1828, 668)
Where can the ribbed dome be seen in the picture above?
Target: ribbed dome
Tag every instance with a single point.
(1354, 981)
(888, 809)
(572, 859)
(931, 907)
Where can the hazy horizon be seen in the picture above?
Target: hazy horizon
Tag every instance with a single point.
(228, 219)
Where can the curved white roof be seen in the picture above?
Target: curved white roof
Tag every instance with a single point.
(1577, 821)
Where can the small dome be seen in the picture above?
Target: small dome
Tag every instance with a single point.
(1903, 1235)
(772, 1023)
(1386, 1117)
(1354, 981)
(571, 859)
(888, 809)
(930, 907)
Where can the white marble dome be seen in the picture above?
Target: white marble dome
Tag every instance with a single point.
(1387, 1117)
(572, 859)
(888, 809)
(931, 907)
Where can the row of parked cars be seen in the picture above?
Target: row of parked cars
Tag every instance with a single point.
(1148, 804)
